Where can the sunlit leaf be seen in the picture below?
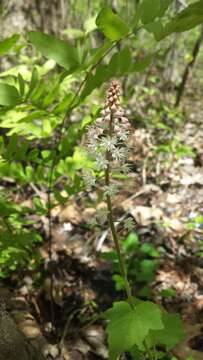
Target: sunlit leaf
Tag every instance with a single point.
(172, 333)
(112, 26)
(53, 48)
(148, 10)
(9, 95)
(137, 321)
(7, 44)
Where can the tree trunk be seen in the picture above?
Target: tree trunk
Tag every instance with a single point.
(13, 343)
(21, 15)
(188, 67)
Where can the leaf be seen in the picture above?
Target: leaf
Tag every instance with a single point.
(168, 293)
(111, 25)
(73, 33)
(172, 333)
(129, 327)
(119, 65)
(148, 10)
(119, 282)
(38, 114)
(7, 44)
(33, 82)
(141, 65)
(64, 104)
(90, 24)
(157, 29)
(53, 48)
(187, 19)
(147, 270)
(131, 243)
(9, 95)
(164, 6)
(21, 83)
(149, 249)
(98, 53)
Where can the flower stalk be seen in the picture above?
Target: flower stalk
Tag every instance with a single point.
(107, 144)
(113, 106)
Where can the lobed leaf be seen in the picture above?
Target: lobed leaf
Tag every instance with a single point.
(172, 333)
(129, 327)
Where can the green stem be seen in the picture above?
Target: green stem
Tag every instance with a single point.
(119, 253)
(7, 225)
(112, 226)
(150, 355)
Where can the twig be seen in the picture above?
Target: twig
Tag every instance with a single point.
(65, 331)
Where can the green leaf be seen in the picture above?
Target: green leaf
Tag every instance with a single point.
(141, 65)
(168, 293)
(119, 282)
(149, 249)
(136, 353)
(131, 243)
(172, 333)
(53, 48)
(156, 28)
(164, 6)
(112, 26)
(9, 95)
(38, 114)
(64, 104)
(21, 83)
(90, 24)
(148, 10)
(6, 44)
(98, 53)
(129, 327)
(147, 270)
(73, 33)
(119, 65)
(187, 19)
(109, 255)
(33, 82)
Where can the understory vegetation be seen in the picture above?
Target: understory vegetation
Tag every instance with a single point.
(101, 186)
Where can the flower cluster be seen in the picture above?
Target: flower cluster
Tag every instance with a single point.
(110, 132)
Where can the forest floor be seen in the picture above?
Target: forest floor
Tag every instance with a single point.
(165, 202)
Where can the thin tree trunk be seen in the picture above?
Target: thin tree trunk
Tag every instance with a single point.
(188, 67)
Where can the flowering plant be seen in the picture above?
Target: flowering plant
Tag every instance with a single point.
(134, 326)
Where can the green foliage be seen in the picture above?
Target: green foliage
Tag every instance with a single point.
(111, 25)
(8, 43)
(16, 243)
(144, 317)
(187, 19)
(141, 261)
(9, 95)
(148, 10)
(40, 132)
(171, 334)
(52, 48)
(147, 327)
